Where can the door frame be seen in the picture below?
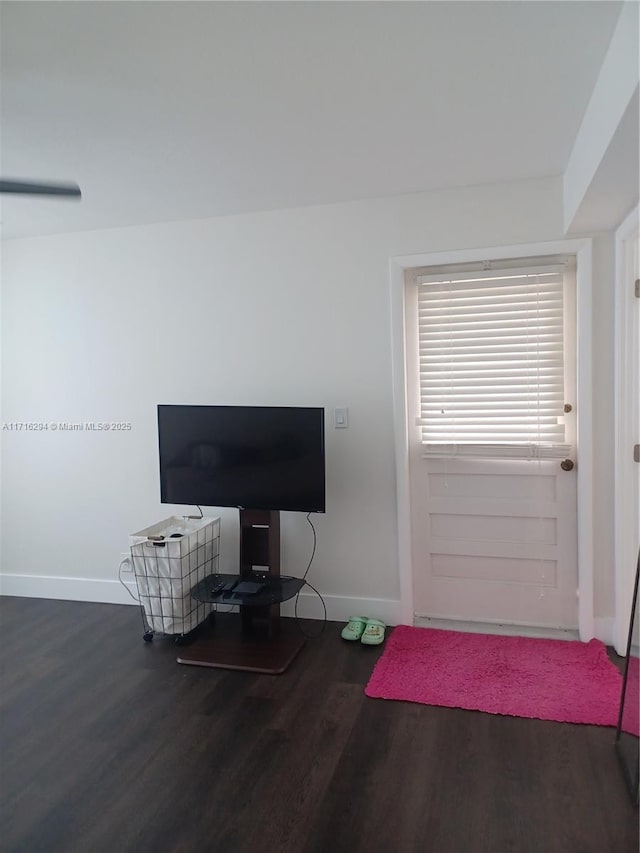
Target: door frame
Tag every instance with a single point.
(583, 250)
(624, 543)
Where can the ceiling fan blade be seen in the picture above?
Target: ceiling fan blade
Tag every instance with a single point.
(32, 188)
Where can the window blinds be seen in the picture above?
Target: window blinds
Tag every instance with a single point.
(491, 362)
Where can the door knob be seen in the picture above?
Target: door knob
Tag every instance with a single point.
(567, 465)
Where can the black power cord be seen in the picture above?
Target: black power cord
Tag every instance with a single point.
(313, 552)
(306, 583)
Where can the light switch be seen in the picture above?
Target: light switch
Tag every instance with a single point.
(341, 418)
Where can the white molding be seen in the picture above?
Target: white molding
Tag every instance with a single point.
(584, 428)
(604, 628)
(102, 591)
(625, 513)
(399, 382)
(339, 608)
(582, 248)
(520, 250)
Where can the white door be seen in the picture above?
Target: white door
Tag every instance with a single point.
(494, 539)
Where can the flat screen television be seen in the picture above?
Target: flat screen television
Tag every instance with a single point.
(251, 457)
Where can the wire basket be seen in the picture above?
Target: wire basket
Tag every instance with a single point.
(169, 559)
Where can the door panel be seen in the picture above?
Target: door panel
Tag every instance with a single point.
(494, 540)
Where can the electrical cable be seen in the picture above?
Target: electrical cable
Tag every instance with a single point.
(313, 552)
(306, 583)
(324, 618)
(128, 560)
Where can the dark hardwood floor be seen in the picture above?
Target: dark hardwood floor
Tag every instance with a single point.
(109, 745)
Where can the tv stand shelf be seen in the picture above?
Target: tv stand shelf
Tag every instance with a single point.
(276, 590)
(259, 641)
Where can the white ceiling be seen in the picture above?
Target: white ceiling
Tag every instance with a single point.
(174, 110)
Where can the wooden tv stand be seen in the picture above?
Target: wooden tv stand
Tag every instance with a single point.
(260, 641)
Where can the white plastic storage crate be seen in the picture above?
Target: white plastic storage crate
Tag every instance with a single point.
(169, 559)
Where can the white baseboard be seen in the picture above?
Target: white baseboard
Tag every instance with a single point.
(339, 608)
(68, 589)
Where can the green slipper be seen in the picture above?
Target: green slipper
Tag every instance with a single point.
(373, 633)
(354, 628)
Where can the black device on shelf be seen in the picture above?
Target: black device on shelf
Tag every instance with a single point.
(265, 643)
(254, 457)
(227, 589)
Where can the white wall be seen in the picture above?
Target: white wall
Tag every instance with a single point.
(286, 307)
(616, 87)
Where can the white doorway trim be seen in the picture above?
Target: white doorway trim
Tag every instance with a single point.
(625, 546)
(582, 248)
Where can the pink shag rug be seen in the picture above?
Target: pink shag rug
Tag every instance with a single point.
(560, 680)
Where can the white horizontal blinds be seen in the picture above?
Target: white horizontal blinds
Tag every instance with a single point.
(491, 362)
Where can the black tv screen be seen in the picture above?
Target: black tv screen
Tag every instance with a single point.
(252, 457)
